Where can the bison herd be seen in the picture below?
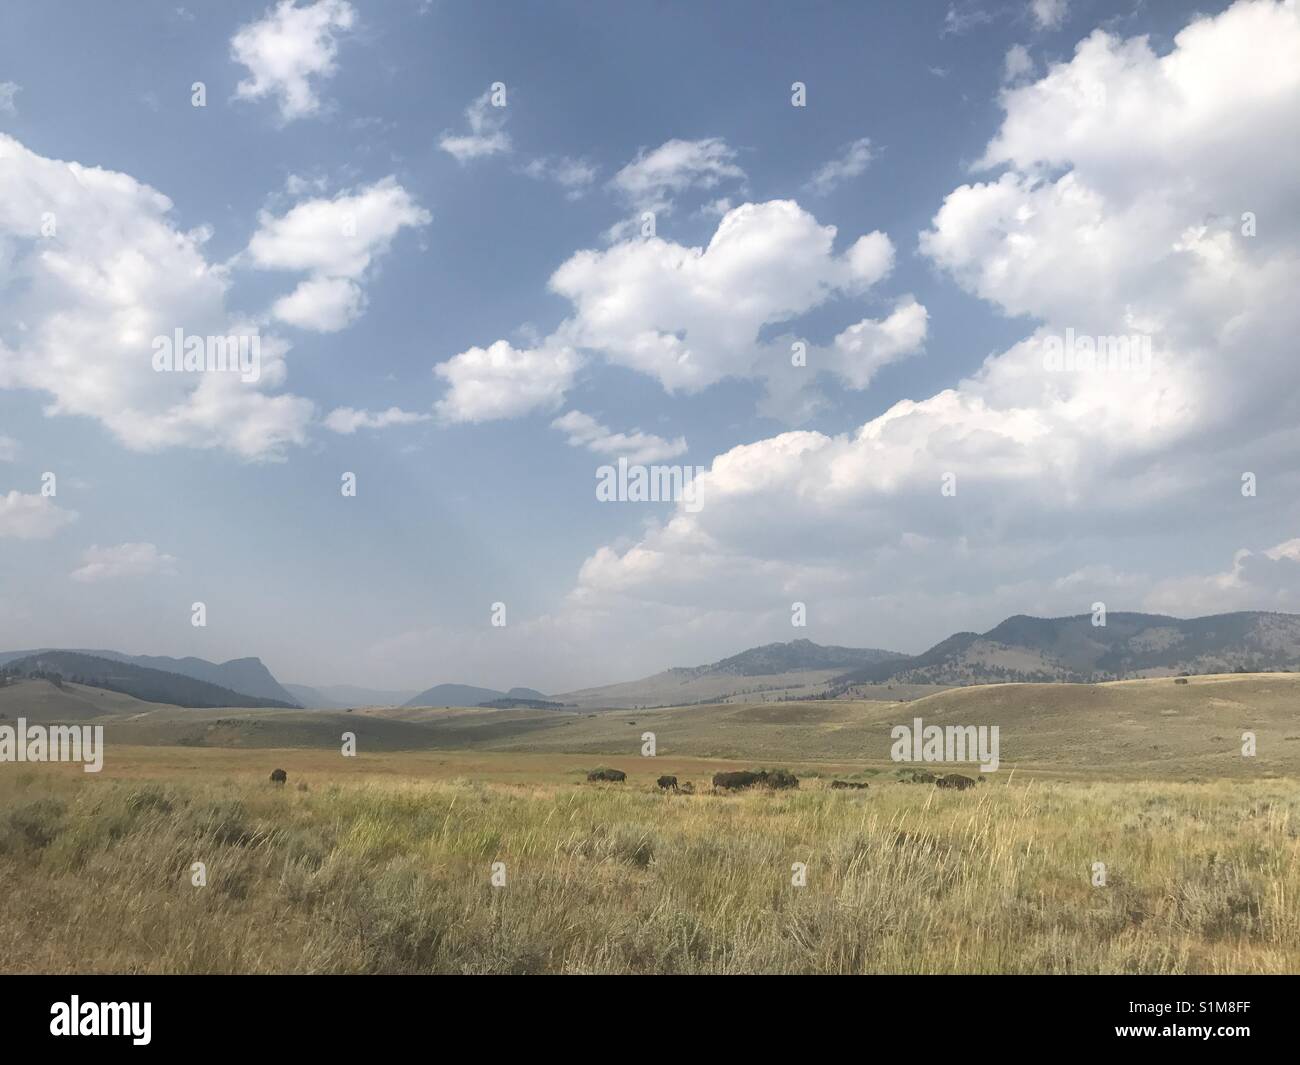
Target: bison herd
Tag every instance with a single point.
(781, 780)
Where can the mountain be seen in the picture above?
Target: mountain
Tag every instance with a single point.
(149, 685)
(345, 696)
(1128, 646)
(782, 670)
(468, 695)
(797, 656)
(247, 676)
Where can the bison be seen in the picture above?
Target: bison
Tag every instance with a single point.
(614, 776)
(955, 780)
(776, 778)
(839, 784)
(667, 783)
(278, 776)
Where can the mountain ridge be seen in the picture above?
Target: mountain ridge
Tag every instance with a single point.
(1130, 645)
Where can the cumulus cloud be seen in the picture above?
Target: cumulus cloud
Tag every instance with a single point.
(8, 91)
(123, 560)
(690, 317)
(637, 447)
(1102, 221)
(336, 241)
(487, 135)
(105, 272)
(502, 381)
(289, 51)
(852, 161)
(347, 420)
(31, 517)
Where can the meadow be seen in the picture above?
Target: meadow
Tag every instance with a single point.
(385, 864)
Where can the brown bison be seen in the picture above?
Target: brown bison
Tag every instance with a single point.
(614, 776)
(278, 776)
(840, 784)
(776, 778)
(917, 776)
(955, 780)
(667, 783)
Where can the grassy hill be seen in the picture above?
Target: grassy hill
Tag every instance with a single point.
(1127, 729)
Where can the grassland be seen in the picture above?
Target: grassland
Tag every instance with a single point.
(382, 863)
(379, 872)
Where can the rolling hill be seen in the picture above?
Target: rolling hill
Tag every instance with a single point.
(468, 695)
(1128, 646)
(149, 685)
(1141, 729)
(799, 668)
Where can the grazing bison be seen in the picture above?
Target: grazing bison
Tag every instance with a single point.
(687, 789)
(278, 776)
(955, 780)
(838, 784)
(614, 776)
(777, 778)
(918, 776)
(667, 783)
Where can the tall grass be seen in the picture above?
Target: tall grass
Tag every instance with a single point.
(394, 876)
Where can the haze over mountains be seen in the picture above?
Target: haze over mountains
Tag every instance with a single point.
(1021, 648)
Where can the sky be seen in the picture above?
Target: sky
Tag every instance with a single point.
(941, 312)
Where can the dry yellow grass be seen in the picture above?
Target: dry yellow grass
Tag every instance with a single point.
(385, 867)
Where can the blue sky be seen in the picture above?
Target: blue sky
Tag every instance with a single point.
(1090, 139)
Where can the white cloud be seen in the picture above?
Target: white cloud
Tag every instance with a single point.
(105, 272)
(1096, 226)
(502, 381)
(124, 560)
(851, 162)
(653, 179)
(336, 241)
(31, 517)
(963, 17)
(637, 447)
(487, 135)
(1048, 14)
(347, 420)
(862, 349)
(575, 176)
(1017, 64)
(8, 448)
(690, 317)
(322, 304)
(289, 51)
(8, 90)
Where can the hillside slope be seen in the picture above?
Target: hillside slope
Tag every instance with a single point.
(1128, 646)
